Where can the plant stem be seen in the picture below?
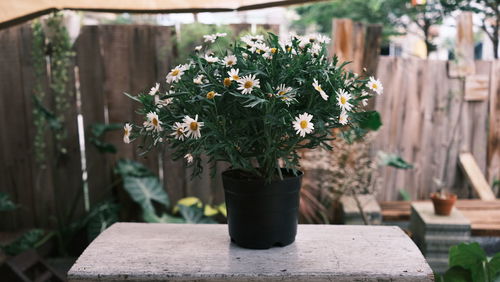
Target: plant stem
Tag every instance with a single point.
(279, 169)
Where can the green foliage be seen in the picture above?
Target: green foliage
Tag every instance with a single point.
(101, 217)
(27, 241)
(472, 258)
(370, 120)
(144, 189)
(6, 203)
(99, 131)
(256, 127)
(366, 11)
(405, 195)
(468, 262)
(393, 160)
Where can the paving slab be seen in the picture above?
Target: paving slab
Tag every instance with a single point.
(186, 252)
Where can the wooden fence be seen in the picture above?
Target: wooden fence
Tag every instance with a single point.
(429, 118)
(420, 107)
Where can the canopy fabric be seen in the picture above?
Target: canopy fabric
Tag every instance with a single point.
(13, 11)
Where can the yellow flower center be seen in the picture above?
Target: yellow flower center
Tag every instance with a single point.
(179, 131)
(258, 51)
(374, 86)
(230, 63)
(289, 49)
(281, 93)
(273, 50)
(343, 100)
(303, 124)
(235, 77)
(175, 72)
(154, 121)
(193, 126)
(248, 84)
(126, 133)
(227, 81)
(318, 88)
(211, 94)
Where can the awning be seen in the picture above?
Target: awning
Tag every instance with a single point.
(14, 11)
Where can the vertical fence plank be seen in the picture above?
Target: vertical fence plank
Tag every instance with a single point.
(91, 76)
(494, 124)
(16, 168)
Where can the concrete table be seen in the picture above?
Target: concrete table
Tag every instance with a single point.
(184, 252)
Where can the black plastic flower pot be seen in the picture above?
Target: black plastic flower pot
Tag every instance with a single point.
(262, 214)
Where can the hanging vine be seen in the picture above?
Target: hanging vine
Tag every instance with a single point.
(52, 54)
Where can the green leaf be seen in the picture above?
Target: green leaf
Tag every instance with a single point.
(494, 266)
(393, 160)
(471, 257)
(144, 190)
(100, 218)
(370, 120)
(99, 129)
(27, 241)
(103, 147)
(132, 168)
(194, 214)
(457, 274)
(5, 203)
(151, 217)
(405, 195)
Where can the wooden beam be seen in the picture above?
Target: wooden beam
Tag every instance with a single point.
(475, 177)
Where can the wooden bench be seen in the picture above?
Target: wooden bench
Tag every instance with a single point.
(483, 215)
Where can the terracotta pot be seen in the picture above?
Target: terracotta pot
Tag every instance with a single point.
(443, 205)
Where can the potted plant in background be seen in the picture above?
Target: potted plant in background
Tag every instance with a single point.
(254, 106)
(442, 200)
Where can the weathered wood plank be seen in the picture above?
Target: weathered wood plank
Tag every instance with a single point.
(475, 177)
(464, 64)
(16, 168)
(91, 77)
(493, 158)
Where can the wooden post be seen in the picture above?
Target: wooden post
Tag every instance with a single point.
(493, 155)
(464, 64)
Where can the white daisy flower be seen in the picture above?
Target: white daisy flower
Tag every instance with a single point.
(343, 100)
(198, 79)
(247, 83)
(343, 118)
(364, 102)
(127, 129)
(162, 103)
(179, 131)
(233, 74)
(152, 122)
(198, 48)
(323, 39)
(261, 48)
(318, 88)
(210, 38)
(283, 90)
(212, 94)
(223, 34)
(189, 158)
(230, 60)
(315, 49)
(375, 85)
(154, 89)
(244, 55)
(250, 39)
(303, 124)
(175, 74)
(211, 59)
(193, 127)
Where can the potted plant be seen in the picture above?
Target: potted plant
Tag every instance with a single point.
(254, 106)
(443, 202)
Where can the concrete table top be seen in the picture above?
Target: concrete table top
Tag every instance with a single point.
(186, 252)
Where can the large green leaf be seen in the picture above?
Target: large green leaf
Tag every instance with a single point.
(5, 203)
(100, 218)
(27, 241)
(457, 274)
(471, 257)
(393, 160)
(132, 168)
(370, 120)
(494, 267)
(194, 214)
(144, 190)
(151, 217)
